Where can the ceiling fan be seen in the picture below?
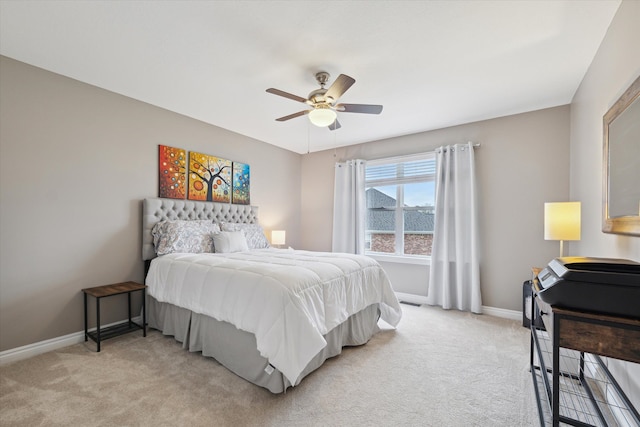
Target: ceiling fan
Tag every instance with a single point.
(323, 101)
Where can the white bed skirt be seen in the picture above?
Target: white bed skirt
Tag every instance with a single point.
(237, 350)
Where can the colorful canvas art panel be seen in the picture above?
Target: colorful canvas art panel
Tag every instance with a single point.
(172, 167)
(241, 181)
(209, 178)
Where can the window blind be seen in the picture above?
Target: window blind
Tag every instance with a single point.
(401, 171)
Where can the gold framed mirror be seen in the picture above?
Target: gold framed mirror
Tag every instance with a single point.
(621, 164)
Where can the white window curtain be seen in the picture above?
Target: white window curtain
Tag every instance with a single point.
(349, 207)
(454, 277)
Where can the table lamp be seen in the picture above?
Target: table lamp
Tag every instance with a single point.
(278, 237)
(562, 222)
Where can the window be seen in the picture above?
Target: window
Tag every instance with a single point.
(400, 195)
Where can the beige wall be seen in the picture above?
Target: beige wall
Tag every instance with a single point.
(75, 161)
(614, 68)
(612, 71)
(522, 163)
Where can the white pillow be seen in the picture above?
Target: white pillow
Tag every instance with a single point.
(253, 233)
(229, 241)
(184, 236)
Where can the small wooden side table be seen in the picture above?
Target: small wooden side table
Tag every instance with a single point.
(100, 292)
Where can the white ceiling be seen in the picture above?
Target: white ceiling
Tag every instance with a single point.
(432, 64)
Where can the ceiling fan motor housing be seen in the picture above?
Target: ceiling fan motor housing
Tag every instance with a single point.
(317, 97)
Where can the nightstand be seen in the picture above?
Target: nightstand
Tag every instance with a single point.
(105, 291)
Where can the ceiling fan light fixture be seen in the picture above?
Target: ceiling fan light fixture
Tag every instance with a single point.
(322, 116)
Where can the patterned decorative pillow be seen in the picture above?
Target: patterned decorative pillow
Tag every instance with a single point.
(229, 241)
(252, 232)
(184, 236)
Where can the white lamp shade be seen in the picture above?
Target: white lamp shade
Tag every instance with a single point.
(562, 221)
(322, 116)
(278, 237)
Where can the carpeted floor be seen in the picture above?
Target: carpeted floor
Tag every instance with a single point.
(439, 368)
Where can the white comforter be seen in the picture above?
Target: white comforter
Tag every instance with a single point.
(288, 299)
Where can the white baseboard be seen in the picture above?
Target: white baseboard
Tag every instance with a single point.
(410, 298)
(30, 350)
(502, 312)
(27, 351)
(46, 346)
(491, 311)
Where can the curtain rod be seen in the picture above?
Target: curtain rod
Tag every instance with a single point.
(476, 145)
(406, 156)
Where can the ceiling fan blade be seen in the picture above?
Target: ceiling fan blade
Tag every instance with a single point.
(335, 125)
(286, 95)
(339, 87)
(359, 108)
(293, 116)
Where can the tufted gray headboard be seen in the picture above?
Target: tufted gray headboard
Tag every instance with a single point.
(156, 210)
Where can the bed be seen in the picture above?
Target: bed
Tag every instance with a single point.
(271, 316)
